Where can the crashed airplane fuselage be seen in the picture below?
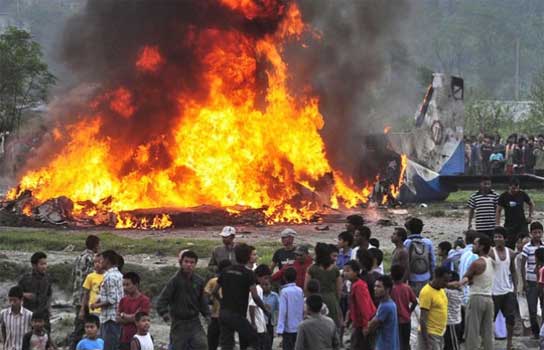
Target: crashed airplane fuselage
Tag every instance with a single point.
(435, 146)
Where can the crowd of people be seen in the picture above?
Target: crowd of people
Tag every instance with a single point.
(490, 155)
(455, 290)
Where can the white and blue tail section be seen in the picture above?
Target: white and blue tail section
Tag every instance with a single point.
(435, 146)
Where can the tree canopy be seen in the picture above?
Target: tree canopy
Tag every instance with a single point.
(24, 77)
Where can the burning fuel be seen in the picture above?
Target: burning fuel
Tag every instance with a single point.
(237, 137)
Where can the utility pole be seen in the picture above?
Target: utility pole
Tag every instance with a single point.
(517, 88)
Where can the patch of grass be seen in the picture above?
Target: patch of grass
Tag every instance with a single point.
(461, 197)
(54, 240)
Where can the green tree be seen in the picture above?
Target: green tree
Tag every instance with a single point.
(488, 117)
(535, 120)
(24, 77)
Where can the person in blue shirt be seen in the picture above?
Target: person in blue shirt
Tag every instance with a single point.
(291, 312)
(91, 341)
(421, 257)
(385, 323)
(345, 241)
(272, 300)
(467, 258)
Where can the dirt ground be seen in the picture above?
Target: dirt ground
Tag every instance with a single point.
(441, 223)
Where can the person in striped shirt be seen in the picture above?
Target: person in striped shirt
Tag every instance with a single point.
(15, 320)
(528, 274)
(483, 207)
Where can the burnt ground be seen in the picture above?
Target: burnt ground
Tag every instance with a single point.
(442, 222)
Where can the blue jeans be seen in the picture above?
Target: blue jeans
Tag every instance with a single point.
(110, 332)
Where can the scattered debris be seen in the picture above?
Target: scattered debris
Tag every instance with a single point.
(322, 228)
(386, 222)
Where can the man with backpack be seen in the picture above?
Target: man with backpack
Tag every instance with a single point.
(421, 258)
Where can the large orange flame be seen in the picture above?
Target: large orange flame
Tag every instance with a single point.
(223, 151)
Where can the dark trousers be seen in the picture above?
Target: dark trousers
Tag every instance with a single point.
(188, 335)
(404, 335)
(450, 338)
(111, 332)
(213, 334)
(230, 323)
(261, 340)
(359, 341)
(79, 330)
(532, 302)
(269, 337)
(289, 340)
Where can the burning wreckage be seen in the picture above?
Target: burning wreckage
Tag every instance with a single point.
(229, 143)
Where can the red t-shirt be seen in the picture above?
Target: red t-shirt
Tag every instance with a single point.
(403, 295)
(541, 275)
(361, 306)
(301, 271)
(131, 306)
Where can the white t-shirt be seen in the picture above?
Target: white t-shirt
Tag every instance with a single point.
(260, 319)
(354, 257)
(146, 342)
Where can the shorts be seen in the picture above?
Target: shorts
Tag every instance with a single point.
(506, 304)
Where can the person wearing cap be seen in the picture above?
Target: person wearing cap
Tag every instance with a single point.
(285, 255)
(302, 262)
(226, 251)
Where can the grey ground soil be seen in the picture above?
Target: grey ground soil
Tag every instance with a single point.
(441, 223)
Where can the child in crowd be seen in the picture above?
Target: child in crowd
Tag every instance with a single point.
(15, 320)
(361, 306)
(254, 313)
(133, 302)
(455, 301)
(443, 252)
(272, 300)
(291, 309)
(529, 276)
(91, 288)
(38, 338)
(213, 327)
(406, 301)
(377, 259)
(365, 260)
(374, 242)
(314, 288)
(142, 340)
(91, 341)
(317, 331)
(334, 253)
(345, 241)
(37, 287)
(385, 323)
(521, 297)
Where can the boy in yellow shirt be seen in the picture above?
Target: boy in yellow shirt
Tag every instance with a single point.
(91, 288)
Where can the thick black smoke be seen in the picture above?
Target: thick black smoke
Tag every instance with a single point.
(346, 67)
(102, 44)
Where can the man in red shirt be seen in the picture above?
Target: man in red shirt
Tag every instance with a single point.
(132, 303)
(302, 262)
(406, 301)
(361, 306)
